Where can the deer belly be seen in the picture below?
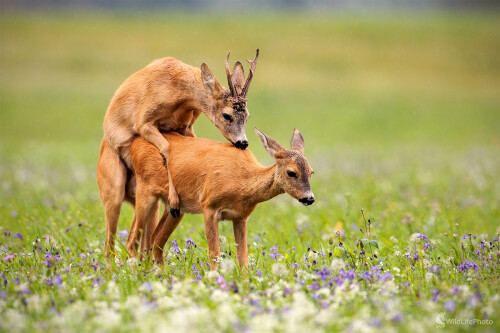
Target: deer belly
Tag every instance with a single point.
(190, 209)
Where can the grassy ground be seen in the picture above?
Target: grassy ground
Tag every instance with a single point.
(400, 115)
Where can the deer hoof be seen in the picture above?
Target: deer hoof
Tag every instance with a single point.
(175, 212)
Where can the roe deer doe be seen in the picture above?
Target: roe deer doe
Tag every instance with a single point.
(217, 180)
(167, 95)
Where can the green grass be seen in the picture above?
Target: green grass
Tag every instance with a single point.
(400, 115)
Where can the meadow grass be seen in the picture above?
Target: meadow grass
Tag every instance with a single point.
(400, 115)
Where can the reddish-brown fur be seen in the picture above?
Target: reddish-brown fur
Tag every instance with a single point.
(167, 95)
(215, 179)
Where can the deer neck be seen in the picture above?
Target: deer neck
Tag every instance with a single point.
(262, 185)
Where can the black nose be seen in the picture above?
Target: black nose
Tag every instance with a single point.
(307, 200)
(241, 144)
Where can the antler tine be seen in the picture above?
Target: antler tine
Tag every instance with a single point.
(229, 76)
(253, 64)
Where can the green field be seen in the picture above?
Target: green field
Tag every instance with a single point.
(400, 115)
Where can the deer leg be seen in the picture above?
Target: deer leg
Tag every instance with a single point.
(150, 226)
(165, 227)
(144, 208)
(111, 180)
(212, 233)
(173, 198)
(240, 235)
(151, 134)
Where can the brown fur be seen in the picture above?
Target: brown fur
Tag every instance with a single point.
(167, 95)
(215, 179)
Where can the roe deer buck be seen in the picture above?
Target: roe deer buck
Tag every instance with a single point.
(217, 180)
(167, 95)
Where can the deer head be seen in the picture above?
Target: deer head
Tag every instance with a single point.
(229, 113)
(292, 169)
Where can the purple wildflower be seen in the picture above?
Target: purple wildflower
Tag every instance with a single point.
(385, 277)
(314, 286)
(123, 235)
(366, 275)
(9, 257)
(449, 306)
(435, 269)
(435, 294)
(466, 265)
(287, 291)
(324, 273)
(274, 255)
(189, 243)
(421, 236)
(19, 235)
(58, 281)
(175, 248)
(147, 286)
(67, 229)
(258, 273)
(196, 272)
(97, 281)
(349, 275)
(295, 265)
(428, 246)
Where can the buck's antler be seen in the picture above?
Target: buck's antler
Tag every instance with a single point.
(253, 64)
(229, 76)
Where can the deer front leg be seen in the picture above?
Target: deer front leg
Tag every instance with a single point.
(212, 233)
(240, 235)
(150, 133)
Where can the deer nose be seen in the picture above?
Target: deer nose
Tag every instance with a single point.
(241, 144)
(307, 201)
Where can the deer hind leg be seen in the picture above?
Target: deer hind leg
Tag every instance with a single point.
(145, 208)
(165, 228)
(111, 180)
(149, 227)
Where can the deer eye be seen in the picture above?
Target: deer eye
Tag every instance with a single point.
(291, 174)
(227, 117)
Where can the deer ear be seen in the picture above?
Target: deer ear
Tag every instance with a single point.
(238, 77)
(212, 86)
(297, 142)
(271, 146)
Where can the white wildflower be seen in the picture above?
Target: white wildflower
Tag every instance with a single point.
(13, 321)
(222, 243)
(211, 275)
(132, 262)
(414, 238)
(113, 290)
(337, 265)
(227, 265)
(279, 270)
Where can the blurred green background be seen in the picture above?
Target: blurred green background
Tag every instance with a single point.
(351, 80)
(393, 106)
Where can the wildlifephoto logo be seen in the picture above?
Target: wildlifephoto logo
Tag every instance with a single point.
(442, 321)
